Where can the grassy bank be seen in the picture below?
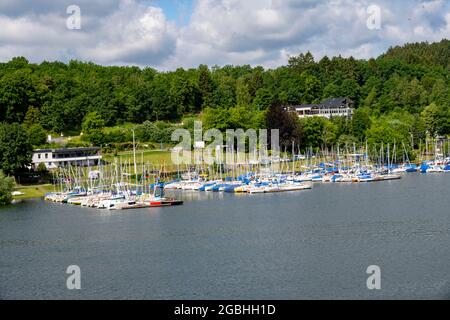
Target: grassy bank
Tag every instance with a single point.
(155, 157)
(35, 191)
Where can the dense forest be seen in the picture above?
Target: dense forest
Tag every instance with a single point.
(403, 95)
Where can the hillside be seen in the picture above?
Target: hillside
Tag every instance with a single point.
(402, 96)
(434, 54)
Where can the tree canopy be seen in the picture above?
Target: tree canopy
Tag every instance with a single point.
(58, 97)
(6, 187)
(15, 148)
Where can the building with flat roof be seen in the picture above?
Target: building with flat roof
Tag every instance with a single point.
(57, 158)
(336, 107)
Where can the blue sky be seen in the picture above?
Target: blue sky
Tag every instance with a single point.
(167, 34)
(175, 10)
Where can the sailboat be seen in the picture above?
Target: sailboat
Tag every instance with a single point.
(157, 199)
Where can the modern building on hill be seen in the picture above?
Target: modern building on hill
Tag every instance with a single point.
(336, 107)
(57, 158)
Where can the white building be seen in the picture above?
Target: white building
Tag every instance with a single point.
(338, 107)
(56, 158)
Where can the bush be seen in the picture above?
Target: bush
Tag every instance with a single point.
(117, 135)
(6, 187)
(75, 143)
(42, 168)
(147, 131)
(92, 122)
(96, 137)
(157, 132)
(37, 135)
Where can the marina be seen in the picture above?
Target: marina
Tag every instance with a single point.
(225, 158)
(291, 245)
(128, 185)
(294, 226)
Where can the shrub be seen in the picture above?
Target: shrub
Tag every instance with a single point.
(37, 135)
(6, 187)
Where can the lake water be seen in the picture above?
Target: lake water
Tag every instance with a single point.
(304, 245)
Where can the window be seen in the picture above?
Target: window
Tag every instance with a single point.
(46, 156)
(39, 156)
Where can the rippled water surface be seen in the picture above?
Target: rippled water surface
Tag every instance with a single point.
(301, 245)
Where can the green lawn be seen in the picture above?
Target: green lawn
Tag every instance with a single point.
(36, 191)
(158, 157)
(155, 157)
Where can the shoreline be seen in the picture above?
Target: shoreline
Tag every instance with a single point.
(33, 191)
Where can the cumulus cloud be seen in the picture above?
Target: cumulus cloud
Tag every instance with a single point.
(17, 8)
(267, 32)
(134, 34)
(256, 32)
(131, 33)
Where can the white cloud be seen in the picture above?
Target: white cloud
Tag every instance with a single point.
(268, 31)
(131, 34)
(257, 32)
(264, 32)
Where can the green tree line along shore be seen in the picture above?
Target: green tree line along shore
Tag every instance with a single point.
(402, 96)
